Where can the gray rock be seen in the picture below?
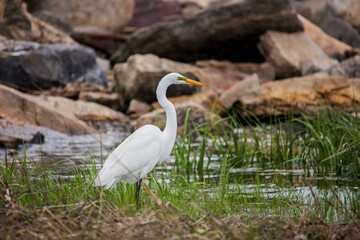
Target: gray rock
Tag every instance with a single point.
(31, 66)
(349, 68)
(341, 30)
(229, 31)
(12, 135)
(347, 10)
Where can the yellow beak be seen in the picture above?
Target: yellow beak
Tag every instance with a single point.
(194, 82)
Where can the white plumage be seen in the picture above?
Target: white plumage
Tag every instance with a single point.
(135, 157)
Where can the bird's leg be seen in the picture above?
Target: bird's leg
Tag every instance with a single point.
(138, 185)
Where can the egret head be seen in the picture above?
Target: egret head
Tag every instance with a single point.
(179, 79)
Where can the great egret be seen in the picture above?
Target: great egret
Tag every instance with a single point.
(137, 155)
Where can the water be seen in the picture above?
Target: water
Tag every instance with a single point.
(61, 152)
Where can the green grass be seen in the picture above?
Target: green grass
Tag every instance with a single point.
(324, 145)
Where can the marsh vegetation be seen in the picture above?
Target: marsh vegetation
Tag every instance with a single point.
(298, 175)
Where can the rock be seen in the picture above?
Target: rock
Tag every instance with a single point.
(300, 95)
(328, 44)
(72, 90)
(103, 41)
(204, 3)
(29, 109)
(206, 99)
(341, 30)
(347, 10)
(107, 99)
(12, 135)
(302, 9)
(233, 94)
(17, 23)
(139, 76)
(229, 31)
(198, 114)
(30, 66)
(103, 63)
(349, 68)
(110, 15)
(138, 107)
(317, 9)
(53, 19)
(224, 74)
(293, 54)
(87, 111)
(149, 12)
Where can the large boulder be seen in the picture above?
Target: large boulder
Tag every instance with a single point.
(293, 54)
(28, 109)
(110, 15)
(300, 95)
(139, 76)
(30, 66)
(229, 30)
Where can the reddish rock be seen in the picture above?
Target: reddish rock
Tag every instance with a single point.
(25, 108)
(224, 74)
(300, 95)
(138, 107)
(110, 15)
(139, 76)
(328, 44)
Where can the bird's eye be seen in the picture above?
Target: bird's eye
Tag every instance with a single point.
(181, 78)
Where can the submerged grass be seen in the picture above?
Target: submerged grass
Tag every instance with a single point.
(188, 202)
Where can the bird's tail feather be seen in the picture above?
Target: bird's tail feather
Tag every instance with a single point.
(107, 180)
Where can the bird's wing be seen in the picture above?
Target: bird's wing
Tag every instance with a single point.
(138, 153)
(134, 142)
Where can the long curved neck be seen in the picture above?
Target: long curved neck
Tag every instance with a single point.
(171, 119)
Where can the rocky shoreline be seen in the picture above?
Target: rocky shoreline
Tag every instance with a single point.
(63, 66)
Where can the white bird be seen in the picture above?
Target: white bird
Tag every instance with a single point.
(137, 155)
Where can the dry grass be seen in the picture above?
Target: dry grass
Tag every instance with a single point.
(102, 220)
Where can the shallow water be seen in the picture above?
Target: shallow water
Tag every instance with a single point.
(61, 152)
